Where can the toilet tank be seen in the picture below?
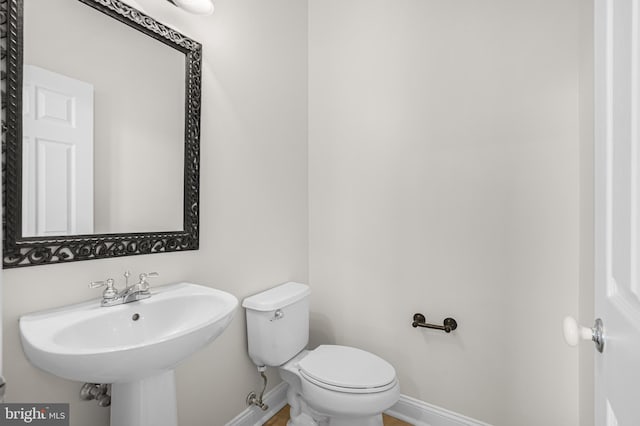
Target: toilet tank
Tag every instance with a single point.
(277, 323)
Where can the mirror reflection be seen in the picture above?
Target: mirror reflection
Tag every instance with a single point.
(103, 125)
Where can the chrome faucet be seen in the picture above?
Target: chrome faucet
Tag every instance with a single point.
(111, 296)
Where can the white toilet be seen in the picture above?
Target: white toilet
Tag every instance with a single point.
(328, 386)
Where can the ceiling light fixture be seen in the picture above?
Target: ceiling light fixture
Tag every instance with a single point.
(198, 7)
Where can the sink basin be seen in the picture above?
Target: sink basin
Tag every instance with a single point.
(90, 343)
(134, 344)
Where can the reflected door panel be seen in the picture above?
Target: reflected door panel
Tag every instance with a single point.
(57, 158)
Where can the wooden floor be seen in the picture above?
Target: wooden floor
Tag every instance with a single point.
(281, 417)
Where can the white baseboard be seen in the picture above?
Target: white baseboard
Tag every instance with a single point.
(420, 413)
(410, 410)
(276, 398)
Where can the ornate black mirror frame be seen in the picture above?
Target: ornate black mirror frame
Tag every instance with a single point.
(19, 251)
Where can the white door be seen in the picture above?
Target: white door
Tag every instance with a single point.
(57, 154)
(617, 210)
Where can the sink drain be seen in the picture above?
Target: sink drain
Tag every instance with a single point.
(135, 317)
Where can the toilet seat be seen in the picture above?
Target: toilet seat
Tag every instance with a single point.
(346, 369)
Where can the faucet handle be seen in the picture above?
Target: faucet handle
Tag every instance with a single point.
(143, 278)
(110, 292)
(95, 284)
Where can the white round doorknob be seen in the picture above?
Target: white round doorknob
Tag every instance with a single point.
(574, 332)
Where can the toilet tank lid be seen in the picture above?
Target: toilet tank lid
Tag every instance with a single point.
(277, 297)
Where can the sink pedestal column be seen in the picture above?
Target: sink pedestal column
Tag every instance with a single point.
(147, 402)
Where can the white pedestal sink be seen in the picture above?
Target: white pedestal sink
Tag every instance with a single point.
(135, 346)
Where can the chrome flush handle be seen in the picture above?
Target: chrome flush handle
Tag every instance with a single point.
(278, 314)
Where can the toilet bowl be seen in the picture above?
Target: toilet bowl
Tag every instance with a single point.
(328, 386)
(342, 384)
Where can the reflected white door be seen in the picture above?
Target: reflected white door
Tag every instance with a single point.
(617, 158)
(57, 154)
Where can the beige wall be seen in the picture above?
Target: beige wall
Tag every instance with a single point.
(444, 179)
(253, 207)
(447, 173)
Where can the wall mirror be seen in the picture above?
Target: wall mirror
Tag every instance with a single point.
(100, 132)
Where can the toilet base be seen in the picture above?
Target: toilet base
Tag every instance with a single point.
(301, 414)
(367, 421)
(376, 421)
(304, 419)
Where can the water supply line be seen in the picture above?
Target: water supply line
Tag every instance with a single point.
(99, 391)
(252, 398)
